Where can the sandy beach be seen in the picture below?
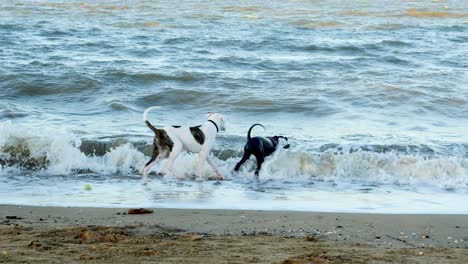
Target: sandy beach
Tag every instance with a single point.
(67, 235)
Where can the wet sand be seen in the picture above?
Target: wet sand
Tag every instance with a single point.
(101, 235)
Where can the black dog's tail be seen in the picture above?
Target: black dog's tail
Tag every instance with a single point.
(250, 129)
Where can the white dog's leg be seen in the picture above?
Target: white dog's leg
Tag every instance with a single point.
(215, 168)
(176, 150)
(148, 167)
(145, 171)
(201, 160)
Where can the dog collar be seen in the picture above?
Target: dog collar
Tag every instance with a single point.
(213, 122)
(273, 141)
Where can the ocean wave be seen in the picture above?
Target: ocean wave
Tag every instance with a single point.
(341, 49)
(353, 49)
(420, 150)
(11, 26)
(58, 152)
(147, 24)
(316, 24)
(240, 103)
(392, 59)
(117, 105)
(395, 43)
(177, 40)
(172, 96)
(389, 26)
(242, 9)
(62, 153)
(40, 84)
(452, 28)
(11, 111)
(152, 77)
(460, 39)
(432, 14)
(54, 32)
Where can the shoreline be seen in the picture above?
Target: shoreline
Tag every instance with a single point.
(363, 237)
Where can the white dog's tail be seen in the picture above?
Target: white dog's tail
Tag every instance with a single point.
(145, 117)
(145, 113)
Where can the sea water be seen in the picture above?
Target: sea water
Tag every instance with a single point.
(373, 96)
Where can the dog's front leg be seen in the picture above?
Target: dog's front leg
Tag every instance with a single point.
(201, 160)
(215, 168)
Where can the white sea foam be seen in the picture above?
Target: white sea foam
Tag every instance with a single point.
(376, 168)
(62, 153)
(5, 128)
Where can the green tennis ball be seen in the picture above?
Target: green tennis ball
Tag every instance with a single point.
(87, 187)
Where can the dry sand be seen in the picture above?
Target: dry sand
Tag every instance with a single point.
(103, 235)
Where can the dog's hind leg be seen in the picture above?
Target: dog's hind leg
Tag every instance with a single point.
(146, 169)
(213, 165)
(176, 150)
(154, 158)
(245, 157)
(150, 163)
(260, 159)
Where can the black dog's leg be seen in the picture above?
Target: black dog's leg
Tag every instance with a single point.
(260, 158)
(244, 159)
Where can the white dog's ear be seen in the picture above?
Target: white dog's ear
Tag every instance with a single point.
(209, 114)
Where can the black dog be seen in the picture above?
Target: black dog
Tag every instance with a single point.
(260, 147)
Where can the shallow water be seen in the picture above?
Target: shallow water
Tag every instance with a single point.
(373, 96)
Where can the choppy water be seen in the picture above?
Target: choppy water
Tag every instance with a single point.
(372, 94)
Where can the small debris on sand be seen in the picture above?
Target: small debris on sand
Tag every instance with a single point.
(13, 217)
(140, 211)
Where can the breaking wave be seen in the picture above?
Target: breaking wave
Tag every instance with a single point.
(63, 153)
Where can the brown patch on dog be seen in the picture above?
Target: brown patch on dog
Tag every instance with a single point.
(163, 140)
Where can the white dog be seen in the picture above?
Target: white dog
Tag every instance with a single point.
(172, 140)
